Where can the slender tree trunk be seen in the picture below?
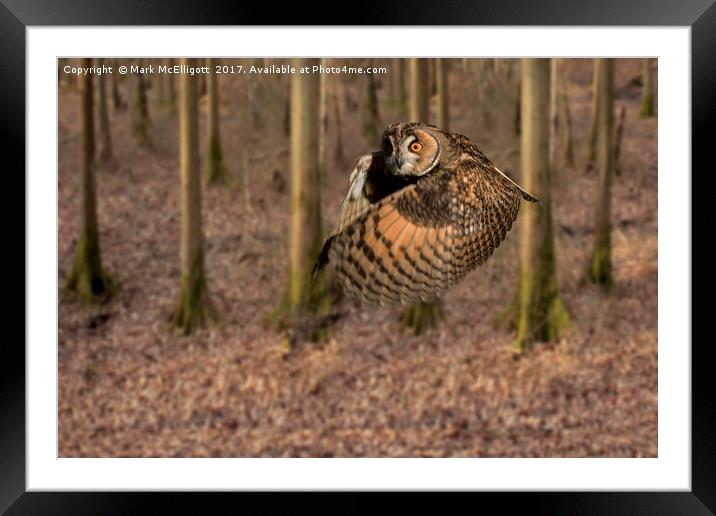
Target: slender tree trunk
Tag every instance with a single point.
(599, 270)
(322, 124)
(647, 99)
(541, 313)
(162, 89)
(140, 114)
(338, 128)
(287, 113)
(253, 104)
(568, 143)
(171, 101)
(517, 120)
(430, 78)
(193, 306)
(105, 136)
(371, 117)
(402, 94)
(69, 78)
(87, 279)
(306, 233)
(117, 101)
(553, 119)
(392, 81)
(214, 168)
(508, 64)
(593, 126)
(245, 160)
(488, 69)
(441, 71)
(618, 139)
(420, 317)
(419, 111)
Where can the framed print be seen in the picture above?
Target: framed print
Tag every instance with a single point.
(449, 257)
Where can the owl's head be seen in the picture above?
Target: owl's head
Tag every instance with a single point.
(412, 149)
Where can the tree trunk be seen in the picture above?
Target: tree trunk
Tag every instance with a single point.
(140, 115)
(193, 306)
(253, 104)
(488, 69)
(419, 111)
(553, 119)
(568, 143)
(202, 85)
(441, 71)
(517, 119)
(245, 164)
(88, 280)
(117, 101)
(402, 94)
(69, 78)
(392, 81)
(105, 137)
(371, 118)
(618, 139)
(420, 316)
(338, 128)
(306, 233)
(322, 125)
(162, 89)
(647, 98)
(214, 169)
(593, 126)
(508, 63)
(430, 77)
(541, 313)
(599, 270)
(171, 101)
(287, 113)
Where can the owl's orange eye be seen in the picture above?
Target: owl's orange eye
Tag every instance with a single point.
(416, 146)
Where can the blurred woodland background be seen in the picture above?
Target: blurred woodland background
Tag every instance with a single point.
(191, 209)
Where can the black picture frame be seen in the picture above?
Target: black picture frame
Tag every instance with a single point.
(17, 15)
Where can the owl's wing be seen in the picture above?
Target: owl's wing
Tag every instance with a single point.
(415, 243)
(356, 201)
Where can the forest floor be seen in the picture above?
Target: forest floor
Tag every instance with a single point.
(130, 387)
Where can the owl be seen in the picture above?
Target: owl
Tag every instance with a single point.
(419, 215)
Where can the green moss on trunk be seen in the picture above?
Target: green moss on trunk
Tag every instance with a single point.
(599, 269)
(507, 318)
(302, 311)
(421, 317)
(88, 281)
(214, 168)
(544, 321)
(647, 99)
(647, 106)
(194, 308)
(541, 316)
